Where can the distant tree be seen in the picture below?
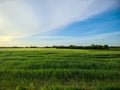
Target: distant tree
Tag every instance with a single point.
(54, 46)
(106, 47)
(72, 46)
(93, 46)
(47, 47)
(33, 47)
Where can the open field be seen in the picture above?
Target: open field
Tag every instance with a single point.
(59, 69)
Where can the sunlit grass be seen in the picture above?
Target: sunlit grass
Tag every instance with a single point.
(59, 69)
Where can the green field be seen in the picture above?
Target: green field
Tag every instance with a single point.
(59, 69)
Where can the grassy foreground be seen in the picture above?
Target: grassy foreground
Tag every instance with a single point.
(59, 69)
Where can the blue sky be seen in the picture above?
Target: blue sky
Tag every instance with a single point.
(59, 22)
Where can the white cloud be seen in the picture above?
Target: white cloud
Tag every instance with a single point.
(52, 37)
(17, 18)
(107, 38)
(20, 18)
(101, 39)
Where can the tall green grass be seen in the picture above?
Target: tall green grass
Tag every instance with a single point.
(59, 69)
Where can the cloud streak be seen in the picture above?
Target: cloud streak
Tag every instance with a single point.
(22, 18)
(18, 16)
(50, 40)
(107, 38)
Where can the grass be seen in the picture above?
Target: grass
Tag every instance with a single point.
(59, 69)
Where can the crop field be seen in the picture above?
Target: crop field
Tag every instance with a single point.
(59, 69)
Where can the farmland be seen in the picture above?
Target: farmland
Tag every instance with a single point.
(59, 69)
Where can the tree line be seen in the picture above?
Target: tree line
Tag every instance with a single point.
(92, 46)
(105, 47)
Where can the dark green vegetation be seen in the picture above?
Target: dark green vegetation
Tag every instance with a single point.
(100, 47)
(59, 69)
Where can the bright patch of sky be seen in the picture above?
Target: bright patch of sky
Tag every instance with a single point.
(59, 22)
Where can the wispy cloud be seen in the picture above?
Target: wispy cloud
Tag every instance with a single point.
(51, 40)
(102, 36)
(21, 18)
(107, 38)
(53, 37)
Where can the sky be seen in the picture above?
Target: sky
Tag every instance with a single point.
(59, 22)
